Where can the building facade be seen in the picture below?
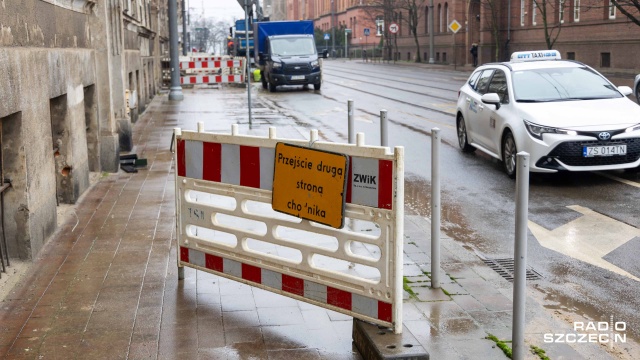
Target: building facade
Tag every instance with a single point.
(591, 31)
(75, 74)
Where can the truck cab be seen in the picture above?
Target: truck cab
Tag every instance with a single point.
(287, 55)
(291, 60)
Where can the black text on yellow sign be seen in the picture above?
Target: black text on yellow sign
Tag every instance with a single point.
(310, 184)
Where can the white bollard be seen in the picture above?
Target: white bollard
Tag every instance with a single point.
(435, 208)
(350, 122)
(520, 255)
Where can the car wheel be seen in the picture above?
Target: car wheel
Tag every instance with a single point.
(317, 86)
(509, 152)
(638, 93)
(462, 135)
(272, 87)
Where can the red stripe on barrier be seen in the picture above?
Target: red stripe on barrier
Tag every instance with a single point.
(205, 79)
(192, 64)
(184, 254)
(205, 64)
(250, 166)
(193, 79)
(349, 181)
(252, 273)
(213, 262)
(231, 78)
(385, 182)
(216, 64)
(339, 298)
(181, 80)
(292, 285)
(218, 79)
(211, 161)
(182, 168)
(384, 311)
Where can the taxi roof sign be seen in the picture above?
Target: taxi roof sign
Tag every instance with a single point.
(521, 56)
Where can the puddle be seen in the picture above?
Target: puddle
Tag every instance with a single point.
(417, 195)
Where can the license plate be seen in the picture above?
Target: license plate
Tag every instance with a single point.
(297, 77)
(608, 150)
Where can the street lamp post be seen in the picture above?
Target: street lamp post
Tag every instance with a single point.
(184, 29)
(175, 92)
(431, 32)
(333, 28)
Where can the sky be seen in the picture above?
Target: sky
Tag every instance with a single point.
(226, 10)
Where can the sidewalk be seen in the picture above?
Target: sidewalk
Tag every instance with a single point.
(106, 285)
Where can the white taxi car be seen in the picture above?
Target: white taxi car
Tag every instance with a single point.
(565, 114)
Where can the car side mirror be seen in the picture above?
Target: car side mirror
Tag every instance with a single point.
(491, 98)
(625, 90)
(325, 54)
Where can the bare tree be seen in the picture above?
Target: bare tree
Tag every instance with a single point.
(388, 11)
(630, 9)
(547, 8)
(492, 21)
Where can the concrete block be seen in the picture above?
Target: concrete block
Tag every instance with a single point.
(374, 343)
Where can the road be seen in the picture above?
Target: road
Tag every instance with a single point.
(584, 227)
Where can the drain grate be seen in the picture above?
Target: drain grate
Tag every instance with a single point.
(505, 267)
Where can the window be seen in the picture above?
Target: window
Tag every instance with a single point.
(560, 84)
(561, 11)
(576, 10)
(379, 26)
(446, 16)
(499, 86)
(426, 20)
(474, 78)
(605, 60)
(439, 18)
(571, 55)
(522, 13)
(612, 10)
(483, 81)
(534, 11)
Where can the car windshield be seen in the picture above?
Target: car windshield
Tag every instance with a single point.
(293, 46)
(561, 84)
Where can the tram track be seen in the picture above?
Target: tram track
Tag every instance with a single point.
(369, 75)
(393, 99)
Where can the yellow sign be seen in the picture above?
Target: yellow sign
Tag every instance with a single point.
(455, 26)
(310, 184)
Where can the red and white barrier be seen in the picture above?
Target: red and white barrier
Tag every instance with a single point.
(210, 64)
(211, 70)
(225, 222)
(305, 290)
(211, 79)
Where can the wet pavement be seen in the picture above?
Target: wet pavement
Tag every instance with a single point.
(106, 285)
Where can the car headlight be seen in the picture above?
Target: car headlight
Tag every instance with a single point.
(537, 130)
(277, 65)
(314, 63)
(633, 128)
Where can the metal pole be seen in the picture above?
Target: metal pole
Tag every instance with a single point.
(333, 28)
(248, 64)
(345, 43)
(520, 255)
(350, 124)
(184, 29)
(431, 32)
(435, 208)
(384, 134)
(175, 92)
